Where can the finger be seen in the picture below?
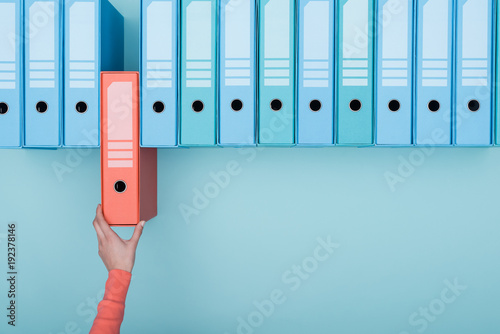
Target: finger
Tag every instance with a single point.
(105, 228)
(137, 233)
(98, 230)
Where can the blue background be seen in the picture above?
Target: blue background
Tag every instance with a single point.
(397, 246)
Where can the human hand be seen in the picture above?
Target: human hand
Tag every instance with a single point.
(115, 252)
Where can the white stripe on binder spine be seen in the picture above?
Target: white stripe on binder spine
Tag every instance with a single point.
(277, 63)
(41, 75)
(89, 66)
(7, 85)
(475, 63)
(42, 84)
(316, 75)
(90, 75)
(159, 74)
(237, 82)
(238, 63)
(238, 73)
(276, 73)
(355, 73)
(434, 73)
(198, 74)
(316, 65)
(159, 65)
(8, 66)
(394, 73)
(394, 64)
(276, 82)
(42, 65)
(7, 76)
(198, 83)
(198, 65)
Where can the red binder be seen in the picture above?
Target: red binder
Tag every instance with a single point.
(128, 172)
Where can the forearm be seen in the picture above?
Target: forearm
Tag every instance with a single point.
(111, 309)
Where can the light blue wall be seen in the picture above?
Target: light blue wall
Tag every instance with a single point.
(395, 247)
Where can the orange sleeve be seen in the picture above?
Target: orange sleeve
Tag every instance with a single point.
(112, 307)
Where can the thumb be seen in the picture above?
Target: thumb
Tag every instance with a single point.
(137, 233)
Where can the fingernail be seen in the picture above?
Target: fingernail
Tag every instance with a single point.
(142, 223)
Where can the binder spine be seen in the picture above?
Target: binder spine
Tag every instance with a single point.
(434, 72)
(43, 89)
(355, 95)
(474, 71)
(159, 73)
(237, 73)
(315, 89)
(81, 74)
(276, 110)
(11, 79)
(198, 73)
(394, 73)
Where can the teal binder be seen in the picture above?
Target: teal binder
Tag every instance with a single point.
(198, 73)
(355, 67)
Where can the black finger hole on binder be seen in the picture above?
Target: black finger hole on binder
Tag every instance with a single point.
(4, 107)
(433, 105)
(158, 107)
(81, 107)
(197, 106)
(473, 105)
(355, 105)
(120, 186)
(276, 105)
(42, 107)
(315, 105)
(394, 105)
(236, 105)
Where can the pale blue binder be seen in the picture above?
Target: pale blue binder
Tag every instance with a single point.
(394, 89)
(159, 61)
(237, 73)
(355, 66)
(315, 104)
(473, 77)
(43, 73)
(93, 42)
(198, 72)
(11, 80)
(276, 109)
(434, 72)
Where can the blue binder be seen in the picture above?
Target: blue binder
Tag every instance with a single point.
(394, 112)
(11, 90)
(198, 72)
(355, 52)
(434, 72)
(43, 74)
(159, 121)
(237, 73)
(315, 72)
(474, 70)
(88, 25)
(276, 110)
